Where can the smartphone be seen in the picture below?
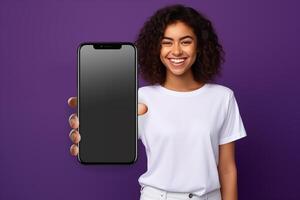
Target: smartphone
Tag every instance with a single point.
(107, 102)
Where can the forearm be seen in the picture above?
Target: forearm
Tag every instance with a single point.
(228, 181)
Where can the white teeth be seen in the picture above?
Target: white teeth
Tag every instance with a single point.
(174, 60)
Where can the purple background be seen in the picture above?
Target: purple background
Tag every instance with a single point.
(38, 73)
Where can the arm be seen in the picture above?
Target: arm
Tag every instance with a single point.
(227, 172)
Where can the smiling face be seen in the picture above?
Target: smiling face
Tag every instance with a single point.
(178, 49)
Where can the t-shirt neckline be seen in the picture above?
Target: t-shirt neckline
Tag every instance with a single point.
(180, 93)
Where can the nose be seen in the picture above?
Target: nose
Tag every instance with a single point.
(176, 50)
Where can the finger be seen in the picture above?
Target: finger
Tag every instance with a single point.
(142, 109)
(74, 136)
(72, 101)
(74, 121)
(74, 150)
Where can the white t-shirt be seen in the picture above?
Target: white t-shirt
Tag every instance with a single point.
(182, 131)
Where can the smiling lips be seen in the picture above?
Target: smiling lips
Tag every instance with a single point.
(177, 61)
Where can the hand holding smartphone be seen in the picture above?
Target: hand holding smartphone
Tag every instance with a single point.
(74, 124)
(107, 103)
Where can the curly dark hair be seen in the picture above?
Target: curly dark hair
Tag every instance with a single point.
(210, 54)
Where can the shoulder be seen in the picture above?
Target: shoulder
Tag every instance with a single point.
(220, 93)
(147, 92)
(222, 90)
(147, 89)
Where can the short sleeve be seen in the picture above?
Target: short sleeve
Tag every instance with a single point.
(233, 127)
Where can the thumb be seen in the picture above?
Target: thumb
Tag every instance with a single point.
(142, 109)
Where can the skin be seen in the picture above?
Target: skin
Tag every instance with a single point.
(179, 41)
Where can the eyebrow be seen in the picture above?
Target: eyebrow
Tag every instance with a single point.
(187, 36)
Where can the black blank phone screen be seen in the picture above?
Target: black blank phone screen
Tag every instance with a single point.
(107, 105)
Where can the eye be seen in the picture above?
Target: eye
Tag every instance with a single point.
(186, 42)
(166, 42)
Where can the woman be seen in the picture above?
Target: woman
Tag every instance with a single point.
(187, 124)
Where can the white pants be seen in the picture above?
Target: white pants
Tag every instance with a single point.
(151, 193)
